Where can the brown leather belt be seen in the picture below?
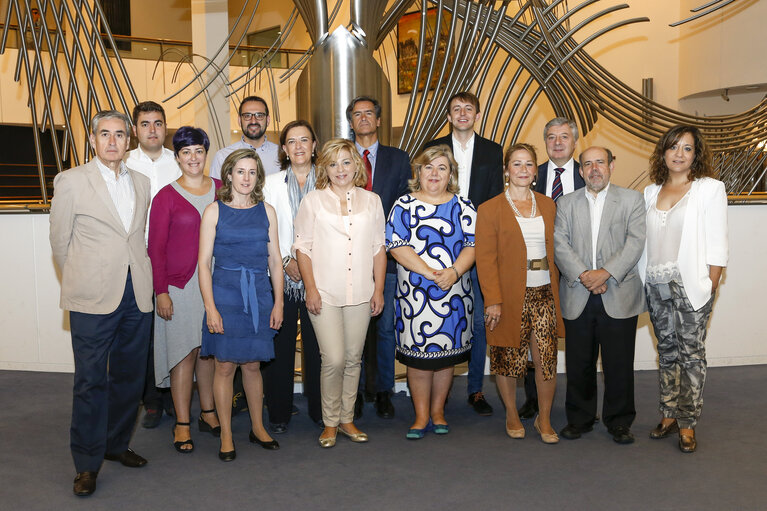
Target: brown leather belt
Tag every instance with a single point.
(538, 264)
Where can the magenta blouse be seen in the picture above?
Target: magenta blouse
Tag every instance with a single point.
(174, 239)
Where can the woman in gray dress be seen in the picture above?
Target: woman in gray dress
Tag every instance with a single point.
(174, 231)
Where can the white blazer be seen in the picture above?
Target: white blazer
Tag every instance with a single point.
(704, 237)
(276, 194)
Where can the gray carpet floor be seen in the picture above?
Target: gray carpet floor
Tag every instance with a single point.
(476, 466)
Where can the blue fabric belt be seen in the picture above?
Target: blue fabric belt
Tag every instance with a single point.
(248, 290)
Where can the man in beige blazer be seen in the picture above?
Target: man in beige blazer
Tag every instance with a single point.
(97, 221)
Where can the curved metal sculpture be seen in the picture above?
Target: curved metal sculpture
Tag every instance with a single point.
(533, 56)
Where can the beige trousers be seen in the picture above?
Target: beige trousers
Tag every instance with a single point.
(341, 335)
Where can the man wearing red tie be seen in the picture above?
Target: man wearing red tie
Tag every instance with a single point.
(388, 171)
(556, 177)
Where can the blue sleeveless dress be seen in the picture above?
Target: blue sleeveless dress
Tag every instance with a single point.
(241, 287)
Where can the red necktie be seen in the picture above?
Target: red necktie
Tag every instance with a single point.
(368, 169)
(556, 186)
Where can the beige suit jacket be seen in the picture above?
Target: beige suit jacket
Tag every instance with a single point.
(90, 244)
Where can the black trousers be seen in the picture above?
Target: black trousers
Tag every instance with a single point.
(592, 331)
(278, 373)
(110, 352)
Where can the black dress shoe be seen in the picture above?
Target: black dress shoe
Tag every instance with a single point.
(573, 432)
(369, 397)
(358, 405)
(228, 455)
(278, 427)
(127, 458)
(662, 431)
(204, 427)
(272, 445)
(85, 483)
(621, 435)
(384, 406)
(529, 409)
(152, 418)
(479, 403)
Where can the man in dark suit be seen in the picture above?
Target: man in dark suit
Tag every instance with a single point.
(480, 177)
(97, 222)
(558, 176)
(599, 236)
(388, 171)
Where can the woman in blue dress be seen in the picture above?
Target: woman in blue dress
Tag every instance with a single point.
(430, 233)
(241, 317)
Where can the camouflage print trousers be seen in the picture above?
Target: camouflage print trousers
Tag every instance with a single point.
(681, 334)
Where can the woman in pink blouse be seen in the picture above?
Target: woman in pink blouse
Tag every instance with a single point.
(174, 233)
(339, 246)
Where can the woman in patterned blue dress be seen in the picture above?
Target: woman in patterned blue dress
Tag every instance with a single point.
(430, 233)
(241, 316)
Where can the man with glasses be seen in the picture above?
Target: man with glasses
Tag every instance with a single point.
(254, 119)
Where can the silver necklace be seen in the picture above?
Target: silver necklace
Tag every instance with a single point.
(516, 211)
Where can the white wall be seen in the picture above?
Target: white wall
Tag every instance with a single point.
(35, 332)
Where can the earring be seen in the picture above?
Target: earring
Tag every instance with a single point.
(287, 157)
(506, 179)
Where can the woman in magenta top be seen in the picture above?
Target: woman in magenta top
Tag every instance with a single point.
(174, 232)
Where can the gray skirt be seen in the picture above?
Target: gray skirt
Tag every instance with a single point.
(174, 339)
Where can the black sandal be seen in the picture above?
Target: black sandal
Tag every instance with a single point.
(179, 445)
(204, 427)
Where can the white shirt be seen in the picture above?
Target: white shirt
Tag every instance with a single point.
(161, 172)
(268, 152)
(664, 236)
(596, 205)
(463, 157)
(121, 191)
(534, 234)
(567, 178)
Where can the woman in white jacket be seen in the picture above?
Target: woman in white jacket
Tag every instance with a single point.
(685, 253)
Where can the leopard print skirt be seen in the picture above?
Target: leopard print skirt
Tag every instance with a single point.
(539, 316)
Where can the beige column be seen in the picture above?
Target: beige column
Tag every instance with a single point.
(210, 25)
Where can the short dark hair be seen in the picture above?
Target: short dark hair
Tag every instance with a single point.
(701, 164)
(609, 153)
(466, 97)
(353, 103)
(189, 135)
(284, 162)
(147, 106)
(253, 98)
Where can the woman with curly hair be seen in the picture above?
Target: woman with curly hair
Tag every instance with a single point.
(684, 255)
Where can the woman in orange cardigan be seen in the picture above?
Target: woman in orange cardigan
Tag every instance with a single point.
(520, 284)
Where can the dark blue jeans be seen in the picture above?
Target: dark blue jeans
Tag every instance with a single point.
(479, 344)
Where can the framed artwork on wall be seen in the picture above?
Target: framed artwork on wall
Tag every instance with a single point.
(408, 36)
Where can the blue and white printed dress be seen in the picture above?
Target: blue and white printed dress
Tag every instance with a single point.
(433, 328)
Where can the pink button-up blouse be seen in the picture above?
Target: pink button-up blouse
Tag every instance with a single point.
(341, 252)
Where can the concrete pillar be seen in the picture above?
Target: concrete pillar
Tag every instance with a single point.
(210, 24)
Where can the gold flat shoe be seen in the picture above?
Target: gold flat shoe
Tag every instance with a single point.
(327, 443)
(355, 437)
(515, 433)
(687, 442)
(547, 438)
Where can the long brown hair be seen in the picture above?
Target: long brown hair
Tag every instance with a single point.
(701, 164)
(225, 192)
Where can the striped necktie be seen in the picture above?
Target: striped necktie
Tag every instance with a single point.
(556, 187)
(368, 169)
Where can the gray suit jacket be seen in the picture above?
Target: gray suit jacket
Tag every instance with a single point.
(90, 244)
(620, 244)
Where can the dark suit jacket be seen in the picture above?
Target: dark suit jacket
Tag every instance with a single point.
(543, 170)
(390, 182)
(486, 180)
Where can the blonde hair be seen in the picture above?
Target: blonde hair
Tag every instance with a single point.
(427, 156)
(329, 154)
(225, 192)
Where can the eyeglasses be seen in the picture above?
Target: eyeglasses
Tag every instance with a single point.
(250, 115)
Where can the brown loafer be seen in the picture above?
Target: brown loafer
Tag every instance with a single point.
(85, 483)
(687, 442)
(662, 431)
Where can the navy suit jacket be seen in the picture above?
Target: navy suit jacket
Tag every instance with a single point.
(390, 182)
(543, 170)
(486, 179)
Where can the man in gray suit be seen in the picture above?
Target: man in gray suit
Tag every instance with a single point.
(97, 222)
(599, 235)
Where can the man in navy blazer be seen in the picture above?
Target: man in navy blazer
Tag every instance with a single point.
(480, 177)
(389, 168)
(560, 135)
